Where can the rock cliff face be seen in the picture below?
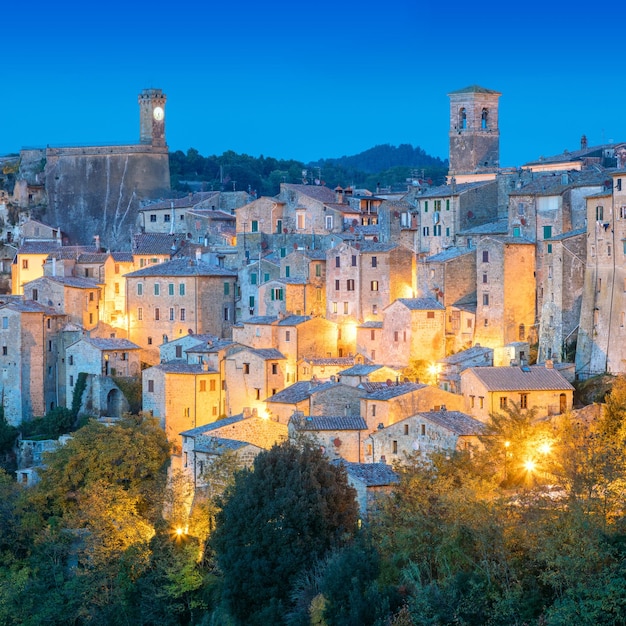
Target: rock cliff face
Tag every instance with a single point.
(98, 190)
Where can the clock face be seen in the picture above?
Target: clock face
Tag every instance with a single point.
(158, 114)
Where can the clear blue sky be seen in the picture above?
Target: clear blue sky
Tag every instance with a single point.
(310, 80)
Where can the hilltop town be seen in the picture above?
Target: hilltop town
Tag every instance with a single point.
(379, 322)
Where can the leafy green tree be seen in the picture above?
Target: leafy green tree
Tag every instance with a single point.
(278, 519)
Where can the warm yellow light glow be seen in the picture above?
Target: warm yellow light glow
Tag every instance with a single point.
(180, 531)
(530, 465)
(545, 448)
(507, 444)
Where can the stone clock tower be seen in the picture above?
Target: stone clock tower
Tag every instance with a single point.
(474, 133)
(152, 117)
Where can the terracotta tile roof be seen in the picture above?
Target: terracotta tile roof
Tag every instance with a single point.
(330, 422)
(182, 367)
(217, 445)
(70, 281)
(371, 325)
(535, 378)
(361, 369)
(38, 247)
(389, 392)
(371, 474)
(421, 304)
(93, 257)
(157, 243)
(492, 228)
(317, 192)
(294, 393)
(340, 360)
(267, 354)
(448, 255)
(470, 353)
(111, 343)
(29, 306)
(293, 320)
(455, 421)
(444, 191)
(189, 200)
(122, 257)
(181, 267)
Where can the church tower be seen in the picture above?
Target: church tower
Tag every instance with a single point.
(152, 117)
(474, 132)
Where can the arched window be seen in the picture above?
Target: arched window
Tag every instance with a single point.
(463, 118)
(483, 119)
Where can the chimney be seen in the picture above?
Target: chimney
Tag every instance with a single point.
(583, 142)
(549, 364)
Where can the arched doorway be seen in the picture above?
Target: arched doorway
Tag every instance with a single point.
(114, 398)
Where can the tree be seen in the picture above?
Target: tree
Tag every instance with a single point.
(277, 519)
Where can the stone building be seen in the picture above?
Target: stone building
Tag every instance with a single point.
(450, 367)
(182, 396)
(252, 275)
(391, 403)
(97, 190)
(102, 360)
(252, 375)
(413, 329)
(560, 295)
(30, 359)
(338, 436)
(78, 298)
(364, 277)
(489, 390)
(423, 433)
(474, 133)
(166, 300)
(325, 368)
(29, 262)
(506, 289)
(601, 345)
(446, 211)
(368, 373)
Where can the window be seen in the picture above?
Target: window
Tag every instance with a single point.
(153, 217)
(430, 315)
(406, 429)
(599, 213)
(472, 400)
(157, 314)
(447, 204)
(226, 314)
(167, 217)
(346, 308)
(318, 269)
(279, 226)
(373, 410)
(91, 296)
(35, 294)
(117, 268)
(485, 299)
(373, 335)
(337, 285)
(350, 284)
(255, 226)
(181, 289)
(91, 318)
(547, 232)
(183, 315)
(157, 289)
(116, 288)
(300, 221)
(140, 313)
(334, 307)
(226, 289)
(423, 430)
(170, 289)
(71, 381)
(140, 289)
(203, 385)
(522, 332)
(599, 285)
(523, 400)
(484, 279)
(437, 204)
(287, 271)
(425, 206)
(246, 368)
(516, 231)
(374, 309)
(481, 402)
(337, 261)
(395, 447)
(374, 285)
(329, 222)
(150, 386)
(287, 335)
(395, 335)
(353, 260)
(503, 402)
(212, 385)
(257, 393)
(425, 231)
(274, 368)
(5, 320)
(608, 250)
(277, 294)
(485, 256)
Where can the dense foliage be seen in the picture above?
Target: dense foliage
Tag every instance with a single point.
(381, 166)
(529, 530)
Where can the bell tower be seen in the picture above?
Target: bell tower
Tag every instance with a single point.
(474, 133)
(152, 117)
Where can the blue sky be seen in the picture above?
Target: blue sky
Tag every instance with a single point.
(310, 80)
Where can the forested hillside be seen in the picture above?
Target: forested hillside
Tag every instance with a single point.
(383, 166)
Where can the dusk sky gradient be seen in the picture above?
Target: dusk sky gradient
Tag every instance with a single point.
(311, 80)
